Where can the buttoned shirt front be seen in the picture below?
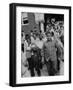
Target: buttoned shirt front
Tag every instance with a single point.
(49, 50)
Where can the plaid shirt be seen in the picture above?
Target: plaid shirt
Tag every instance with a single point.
(49, 50)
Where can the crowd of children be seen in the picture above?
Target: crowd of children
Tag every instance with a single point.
(39, 48)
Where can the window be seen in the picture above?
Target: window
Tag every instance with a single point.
(24, 18)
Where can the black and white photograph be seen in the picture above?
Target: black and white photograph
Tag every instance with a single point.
(40, 44)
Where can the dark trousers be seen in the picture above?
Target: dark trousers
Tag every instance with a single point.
(58, 64)
(34, 63)
(31, 66)
(51, 67)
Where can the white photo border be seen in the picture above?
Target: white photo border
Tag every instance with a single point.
(27, 80)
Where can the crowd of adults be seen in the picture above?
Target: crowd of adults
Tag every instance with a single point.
(39, 48)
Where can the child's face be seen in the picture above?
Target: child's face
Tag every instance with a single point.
(48, 36)
(62, 28)
(28, 40)
(53, 20)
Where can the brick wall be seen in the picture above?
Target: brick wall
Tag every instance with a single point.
(31, 25)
